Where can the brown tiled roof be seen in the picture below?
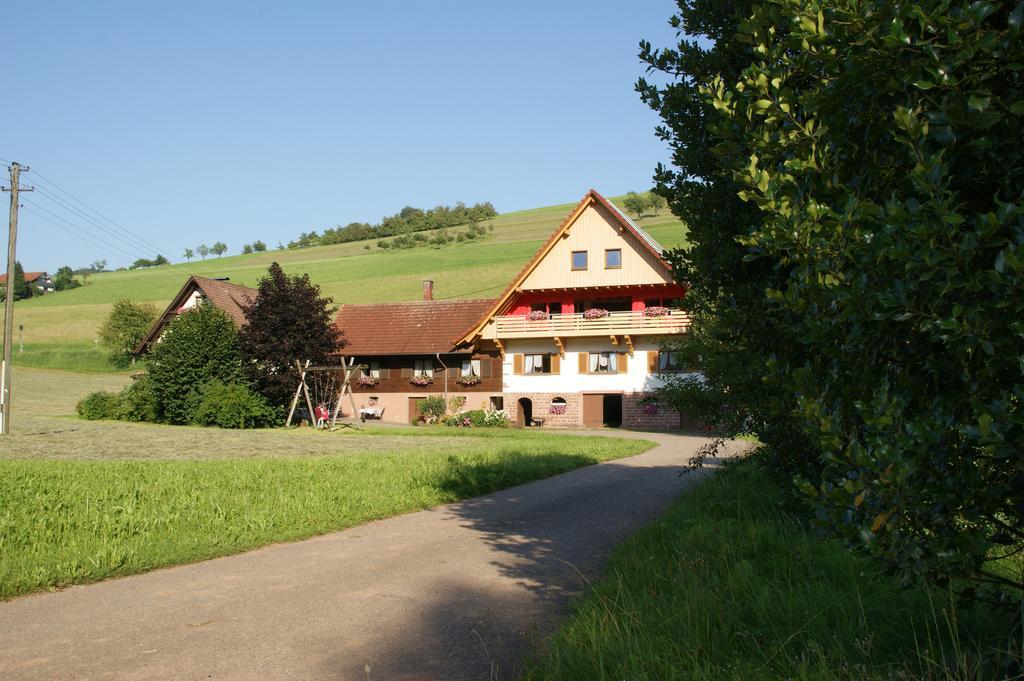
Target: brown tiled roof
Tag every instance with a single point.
(592, 196)
(413, 328)
(231, 298)
(29, 277)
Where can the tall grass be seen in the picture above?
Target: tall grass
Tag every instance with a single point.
(68, 522)
(727, 586)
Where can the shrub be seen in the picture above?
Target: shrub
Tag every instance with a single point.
(231, 405)
(137, 402)
(198, 347)
(99, 405)
(478, 418)
(127, 323)
(432, 408)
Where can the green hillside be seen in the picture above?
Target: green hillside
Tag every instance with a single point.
(60, 329)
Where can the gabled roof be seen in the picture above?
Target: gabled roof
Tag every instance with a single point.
(590, 198)
(231, 298)
(422, 327)
(29, 277)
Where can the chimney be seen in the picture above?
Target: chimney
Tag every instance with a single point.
(428, 289)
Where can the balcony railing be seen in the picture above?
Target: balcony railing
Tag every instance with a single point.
(615, 323)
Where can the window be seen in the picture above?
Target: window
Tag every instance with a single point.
(613, 259)
(537, 364)
(669, 361)
(579, 260)
(424, 367)
(374, 369)
(497, 402)
(604, 363)
(471, 367)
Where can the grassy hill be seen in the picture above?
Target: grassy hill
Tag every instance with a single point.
(61, 329)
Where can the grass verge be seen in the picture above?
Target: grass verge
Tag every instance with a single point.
(69, 522)
(727, 586)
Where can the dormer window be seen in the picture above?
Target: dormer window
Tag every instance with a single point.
(579, 260)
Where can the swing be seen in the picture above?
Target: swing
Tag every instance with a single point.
(327, 391)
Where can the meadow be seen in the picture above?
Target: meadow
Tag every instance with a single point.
(728, 586)
(82, 501)
(61, 329)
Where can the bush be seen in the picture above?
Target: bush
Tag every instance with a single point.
(99, 405)
(432, 409)
(124, 328)
(478, 418)
(231, 405)
(137, 402)
(198, 347)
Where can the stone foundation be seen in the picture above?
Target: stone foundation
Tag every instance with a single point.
(572, 418)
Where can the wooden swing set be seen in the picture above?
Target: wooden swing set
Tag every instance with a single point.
(326, 390)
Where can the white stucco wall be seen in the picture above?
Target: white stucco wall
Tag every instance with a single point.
(570, 380)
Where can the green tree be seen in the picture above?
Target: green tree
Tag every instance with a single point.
(124, 328)
(247, 249)
(189, 254)
(634, 203)
(878, 144)
(287, 321)
(198, 347)
(219, 248)
(64, 279)
(259, 246)
(203, 250)
(655, 202)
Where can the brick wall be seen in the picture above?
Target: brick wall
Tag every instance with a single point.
(572, 418)
(633, 415)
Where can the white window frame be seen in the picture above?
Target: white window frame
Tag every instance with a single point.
(374, 369)
(424, 367)
(533, 360)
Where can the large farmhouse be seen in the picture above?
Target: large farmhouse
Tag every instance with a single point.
(574, 340)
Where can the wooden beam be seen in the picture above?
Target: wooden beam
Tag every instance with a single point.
(501, 348)
(615, 340)
(561, 347)
(629, 344)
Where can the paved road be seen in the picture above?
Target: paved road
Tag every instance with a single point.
(462, 591)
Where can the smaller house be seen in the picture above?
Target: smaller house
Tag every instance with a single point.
(409, 353)
(221, 293)
(40, 281)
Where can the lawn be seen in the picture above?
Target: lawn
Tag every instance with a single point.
(60, 330)
(728, 586)
(82, 501)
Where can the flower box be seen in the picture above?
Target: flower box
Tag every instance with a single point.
(596, 313)
(367, 381)
(558, 409)
(468, 380)
(421, 380)
(537, 316)
(656, 311)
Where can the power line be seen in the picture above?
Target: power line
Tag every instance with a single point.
(130, 255)
(469, 293)
(72, 233)
(112, 223)
(138, 243)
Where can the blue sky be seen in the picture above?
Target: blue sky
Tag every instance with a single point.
(193, 122)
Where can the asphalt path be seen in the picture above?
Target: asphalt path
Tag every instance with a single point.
(463, 591)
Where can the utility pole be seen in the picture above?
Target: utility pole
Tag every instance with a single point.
(5, 395)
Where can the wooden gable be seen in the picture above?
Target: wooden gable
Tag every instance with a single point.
(595, 231)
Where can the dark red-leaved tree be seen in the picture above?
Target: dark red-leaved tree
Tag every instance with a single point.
(288, 320)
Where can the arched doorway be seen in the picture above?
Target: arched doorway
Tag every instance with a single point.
(525, 417)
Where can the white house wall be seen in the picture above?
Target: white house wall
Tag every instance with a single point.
(570, 380)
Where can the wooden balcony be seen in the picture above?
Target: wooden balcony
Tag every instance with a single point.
(575, 325)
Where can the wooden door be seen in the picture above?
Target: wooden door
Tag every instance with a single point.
(414, 409)
(593, 410)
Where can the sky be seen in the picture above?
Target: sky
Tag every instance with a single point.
(186, 123)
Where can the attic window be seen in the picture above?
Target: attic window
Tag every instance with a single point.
(613, 259)
(579, 260)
